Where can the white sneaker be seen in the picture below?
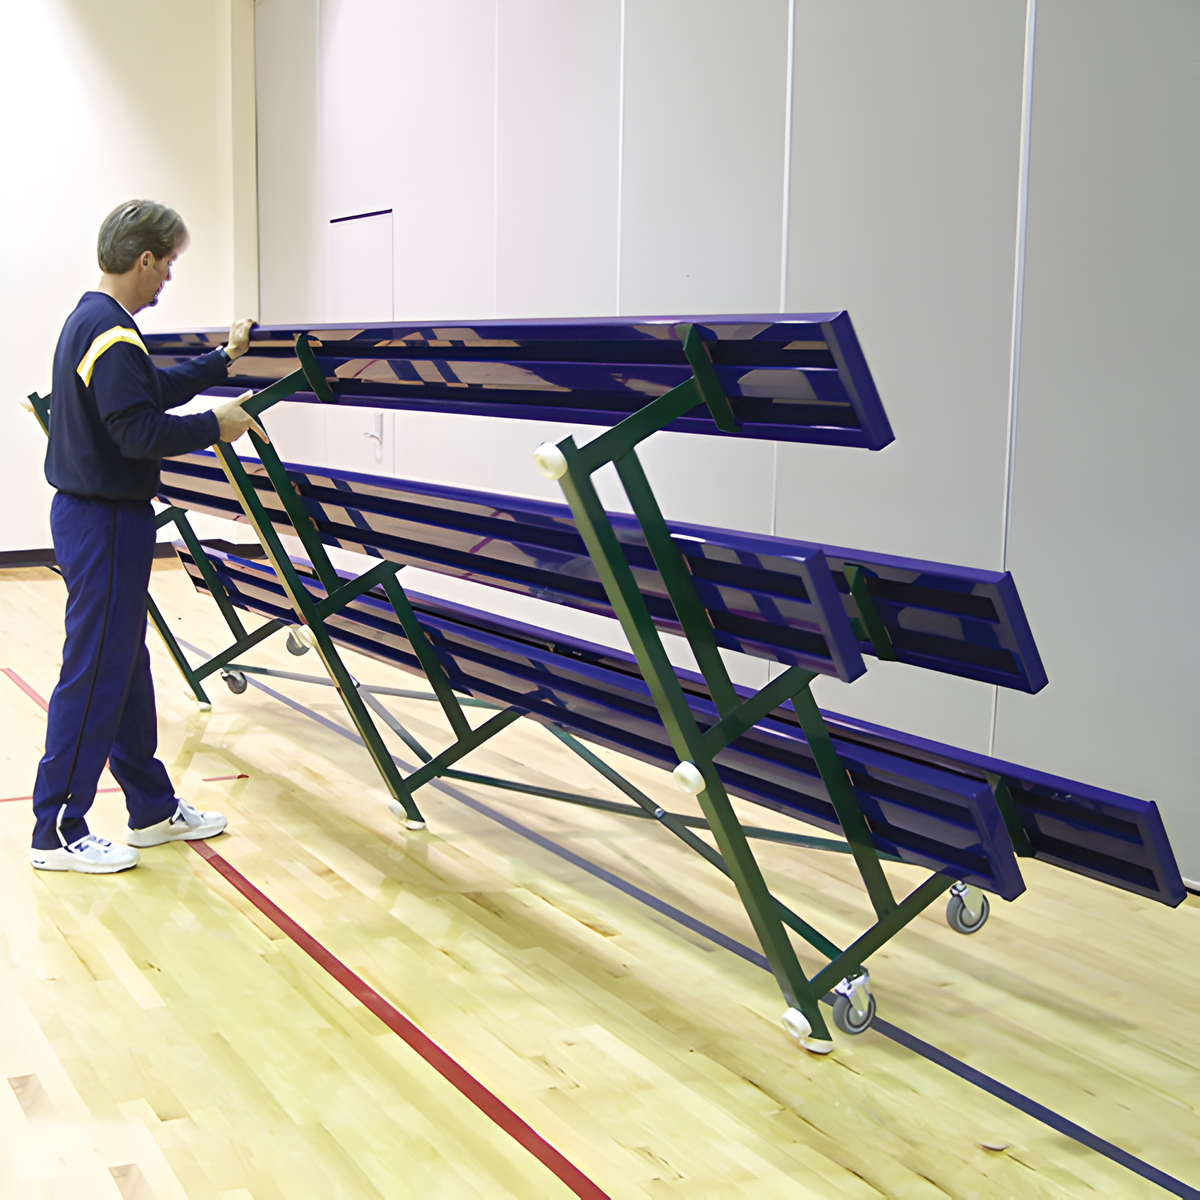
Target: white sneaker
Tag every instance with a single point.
(92, 855)
(187, 825)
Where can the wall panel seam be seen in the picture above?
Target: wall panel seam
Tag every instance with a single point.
(1014, 369)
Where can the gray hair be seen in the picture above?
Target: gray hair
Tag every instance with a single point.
(134, 227)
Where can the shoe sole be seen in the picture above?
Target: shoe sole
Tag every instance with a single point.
(85, 868)
(192, 835)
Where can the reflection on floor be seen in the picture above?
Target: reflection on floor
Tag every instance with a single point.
(162, 1039)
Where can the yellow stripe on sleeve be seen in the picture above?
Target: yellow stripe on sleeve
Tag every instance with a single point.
(106, 340)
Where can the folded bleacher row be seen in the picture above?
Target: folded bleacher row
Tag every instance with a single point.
(811, 609)
(428, 526)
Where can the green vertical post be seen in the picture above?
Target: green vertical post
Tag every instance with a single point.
(678, 580)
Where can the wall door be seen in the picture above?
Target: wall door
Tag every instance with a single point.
(358, 287)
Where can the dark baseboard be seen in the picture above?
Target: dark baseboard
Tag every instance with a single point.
(164, 550)
(26, 558)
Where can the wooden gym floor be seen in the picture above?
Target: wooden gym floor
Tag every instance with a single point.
(161, 1038)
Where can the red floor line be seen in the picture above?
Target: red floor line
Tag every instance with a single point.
(25, 688)
(487, 1102)
(219, 778)
(483, 1099)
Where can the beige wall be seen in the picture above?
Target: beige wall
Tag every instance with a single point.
(105, 102)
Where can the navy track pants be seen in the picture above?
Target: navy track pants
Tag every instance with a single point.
(103, 706)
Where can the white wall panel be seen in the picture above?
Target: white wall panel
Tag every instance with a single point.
(701, 209)
(291, 223)
(705, 84)
(408, 123)
(906, 142)
(358, 268)
(296, 430)
(904, 198)
(1106, 489)
(556, 158)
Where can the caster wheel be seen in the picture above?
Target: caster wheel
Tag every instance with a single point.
(295, 645)
(956, 915)
(235, 681)
(847, 1020)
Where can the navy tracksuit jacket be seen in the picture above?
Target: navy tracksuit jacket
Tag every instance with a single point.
(109, 430)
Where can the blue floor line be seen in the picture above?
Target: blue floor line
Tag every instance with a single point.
(909, 1041)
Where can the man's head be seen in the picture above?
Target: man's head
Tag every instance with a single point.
(138, 242)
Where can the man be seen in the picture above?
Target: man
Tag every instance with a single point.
(109, 431)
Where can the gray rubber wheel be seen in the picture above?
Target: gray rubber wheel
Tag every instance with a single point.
(295, 645)
(847, 1020)
(235, 681)
(956, 916)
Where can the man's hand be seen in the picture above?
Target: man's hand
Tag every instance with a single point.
(234, 420)
(239, 339)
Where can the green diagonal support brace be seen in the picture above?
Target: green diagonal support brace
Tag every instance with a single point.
(464, 745)
(207, 571)
(314, 612)
(230, 653)
(845, 804)
(306, 608)
(427, 657)
(335, 601)
(872, 623)
(696, 353)
(750, 712)
(671, 566)
(915, 903)
(616, 442)
(678, 826)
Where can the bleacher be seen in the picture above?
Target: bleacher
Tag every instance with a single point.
(810, 609)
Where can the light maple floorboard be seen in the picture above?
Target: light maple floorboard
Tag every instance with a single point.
(162, 1039)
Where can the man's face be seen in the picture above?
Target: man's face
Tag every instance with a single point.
(154, 276)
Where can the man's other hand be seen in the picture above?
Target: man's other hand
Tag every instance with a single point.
(239, 338)
(234, 420)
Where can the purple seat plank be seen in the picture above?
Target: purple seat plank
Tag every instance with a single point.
(1104, 835)
(797, 377)
(956, 620)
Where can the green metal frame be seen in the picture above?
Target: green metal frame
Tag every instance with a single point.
(699, 746)
(314, 613)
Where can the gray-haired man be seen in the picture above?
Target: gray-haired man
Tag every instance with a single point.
(109, 431)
